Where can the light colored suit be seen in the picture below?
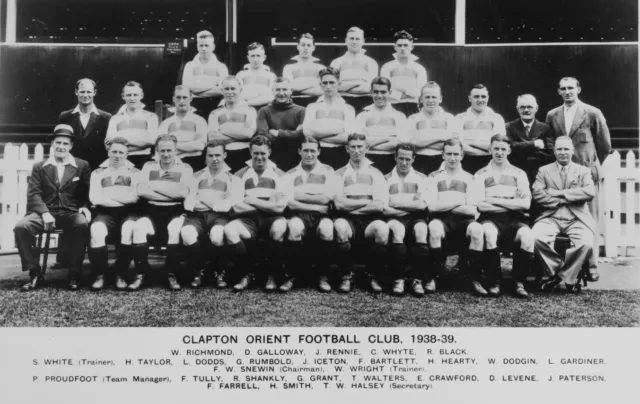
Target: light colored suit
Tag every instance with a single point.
(592, 144)
(575, 221)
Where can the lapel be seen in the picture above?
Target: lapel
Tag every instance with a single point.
(69, 172)
(535, 130)
(52, 172)
(577, 118)
(521, 132)
(76, 125)
(92, 121)
(555, 176)
(560, 119)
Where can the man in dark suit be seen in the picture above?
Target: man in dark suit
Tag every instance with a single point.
(563, 189)
(588, 130)
(89, 125)
(57, 196)
(531, 140)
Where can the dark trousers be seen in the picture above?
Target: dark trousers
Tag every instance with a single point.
(73, 224)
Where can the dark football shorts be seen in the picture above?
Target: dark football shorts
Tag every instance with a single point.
(258, 225)
(205, 221)
(160, 217)
(114, 217)
(455, 227)
(409, 221)
(507, 223)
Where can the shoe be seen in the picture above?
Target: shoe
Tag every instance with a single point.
(98, 284)
(196, 282)
(398, 287)
(220, 283)
(73, 284)
(494, 290)
(345, 285)
(243, 284)
(416, 287)
(550, 284)
(174, 286)
(121, 284)
(375, 285)
(323, 284)
(593, 276)
(286, 286)
(430, 286)
(271, 285)
(35, 280)
(520, 291)
(478, 289)
(137, 282)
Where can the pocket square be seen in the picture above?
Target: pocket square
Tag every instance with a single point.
(75, 179)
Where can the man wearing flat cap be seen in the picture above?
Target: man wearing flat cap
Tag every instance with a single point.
(57, 198)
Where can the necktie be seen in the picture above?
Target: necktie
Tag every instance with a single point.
(563, 176)
(527, 129)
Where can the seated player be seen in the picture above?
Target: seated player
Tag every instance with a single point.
(281, 121)
(406, 214)
(478, 124)
(259, 215)
(214, 192)
(256, 78)
(360, 199)
(113, 192)
(233, 124)
(356, 69)
(406, 75)
(164, 184)
(430, 128)
(190, 129)
(304, 77)
(310, 190)
(330, 119)
(504, 198)
(384, 126)
(452, 212)
(202, 75)
(133, 123)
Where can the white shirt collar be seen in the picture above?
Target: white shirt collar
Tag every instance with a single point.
(337, 100)
(357, 55)
(571, 108)
(68, 160)
(319, 168)
(351, 171)
(105, 164)
(247, 67)
(525, 124)
(560, 166)
(387, 109)
(214, 58)
(487, 111)
(298, 59)
(92, 110)
(123, 109)
(412, 58)
(396, 176)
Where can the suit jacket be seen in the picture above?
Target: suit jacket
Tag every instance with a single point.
(46, 194)
(579, 189)
(590, 135)
(88, 144)
(524, 153)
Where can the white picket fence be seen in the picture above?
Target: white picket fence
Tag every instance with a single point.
(621, 202)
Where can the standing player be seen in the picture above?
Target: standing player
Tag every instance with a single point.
(453, 209)
(356, 69)
(233, 124)
(479, 123)
(113, 192)
(190, 129)
(260, 214)
(361, 197)
(406, 75)
(165, 185)
(504, 197)
(430, 128)
(214, 192)
(133, 123)
(406, 212)
(310, 190)
(202, 76)
(256, 78)
(281, 121)
(330, 119)
(305, 80)
(384, 126)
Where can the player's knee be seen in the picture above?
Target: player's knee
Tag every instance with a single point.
(98, 234)
(341, 228)
(475, 233)
(173, 229)
(231, 233)
(296, 228)
(527, 240)
(325, 230)
(397, 231)
(381, 232)
(189, 235)
(436, 230)
(420, 232)
(278, 229)
(216, 235)
(141, 230)
(490, 235)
